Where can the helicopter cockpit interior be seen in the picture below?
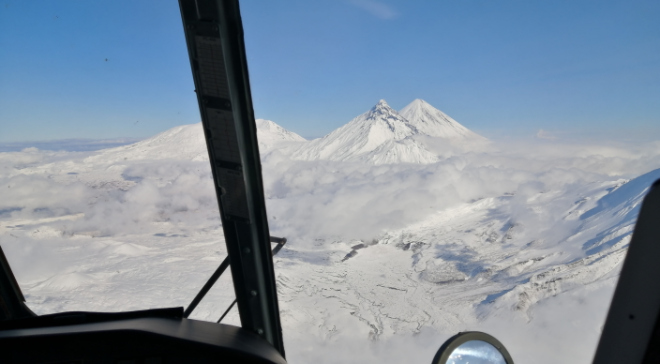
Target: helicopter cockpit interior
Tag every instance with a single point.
(215, 43)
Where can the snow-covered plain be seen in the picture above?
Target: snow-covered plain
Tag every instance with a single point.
(395, 245)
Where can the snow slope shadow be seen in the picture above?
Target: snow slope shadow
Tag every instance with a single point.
(625, 196)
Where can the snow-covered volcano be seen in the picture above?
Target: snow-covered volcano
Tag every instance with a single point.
(378, 136)
(433, 122)
(383, 136)
(271, 135)
(186, 142)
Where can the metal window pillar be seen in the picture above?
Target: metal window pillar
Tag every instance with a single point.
(12, 302)
(214, 36)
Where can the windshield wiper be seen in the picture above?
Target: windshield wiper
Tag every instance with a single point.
(216, 275)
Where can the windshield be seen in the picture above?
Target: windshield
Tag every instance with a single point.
(435, 168)
(107, 195)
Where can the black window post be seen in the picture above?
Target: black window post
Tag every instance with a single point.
(214, 35)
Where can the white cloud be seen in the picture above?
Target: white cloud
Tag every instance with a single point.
(325, 198)
(376, 8)
(544, 134)
(308, 199)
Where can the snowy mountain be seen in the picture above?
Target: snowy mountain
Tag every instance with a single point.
(271, 135)
(106, 168)
(384, 136)
(378, 136)
(186, 142)
(433, 122)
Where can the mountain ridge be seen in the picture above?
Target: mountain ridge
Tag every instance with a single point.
(381, 135)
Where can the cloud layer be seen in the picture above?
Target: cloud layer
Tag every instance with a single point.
(110, 232)
(324, 198)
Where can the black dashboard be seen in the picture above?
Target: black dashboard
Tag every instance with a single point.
(145, 337)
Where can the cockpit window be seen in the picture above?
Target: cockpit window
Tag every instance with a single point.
(435, 168)
(107, 196)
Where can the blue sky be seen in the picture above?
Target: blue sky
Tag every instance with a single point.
(111, 69)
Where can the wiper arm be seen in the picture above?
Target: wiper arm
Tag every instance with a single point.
(218, 272)
(214, 278)
(280, 243)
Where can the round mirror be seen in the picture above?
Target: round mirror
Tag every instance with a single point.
(472, 348)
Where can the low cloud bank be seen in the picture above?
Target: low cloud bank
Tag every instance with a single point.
(307, 200)
(174, 192)
(41, 186)
(325, 198)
